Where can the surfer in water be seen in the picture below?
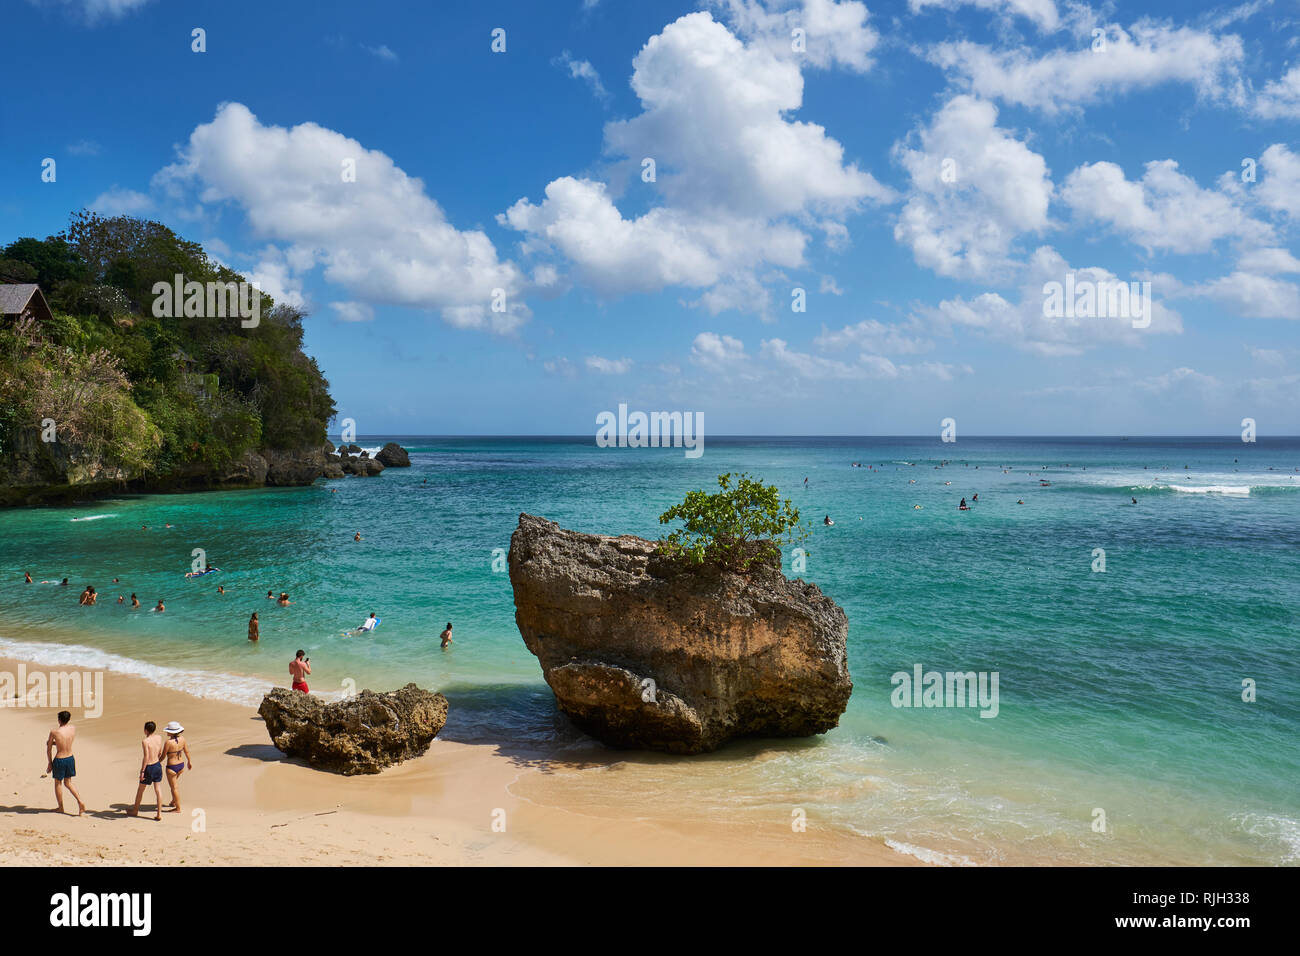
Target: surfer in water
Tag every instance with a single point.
(369, 624)
(963, 506)
(827, 521)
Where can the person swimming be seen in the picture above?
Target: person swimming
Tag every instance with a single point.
(827, 521)
(1134, 500)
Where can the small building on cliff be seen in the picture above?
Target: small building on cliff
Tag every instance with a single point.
(24, 299)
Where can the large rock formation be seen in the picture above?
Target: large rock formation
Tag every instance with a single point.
(643, 651)
(361, 734)
(393, 455)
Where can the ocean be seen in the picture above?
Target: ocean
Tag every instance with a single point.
(1121, 734)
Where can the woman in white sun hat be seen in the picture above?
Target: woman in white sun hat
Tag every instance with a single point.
(176, 758)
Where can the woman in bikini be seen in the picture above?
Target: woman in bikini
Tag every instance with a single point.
(176, 759)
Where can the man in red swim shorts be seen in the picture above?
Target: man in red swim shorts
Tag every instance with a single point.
(299, 668)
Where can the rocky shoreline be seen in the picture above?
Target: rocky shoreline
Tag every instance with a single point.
(53, 475)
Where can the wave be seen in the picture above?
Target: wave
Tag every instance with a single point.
(93, 517)
(928, 856)
(208, 685)
(1212, 489)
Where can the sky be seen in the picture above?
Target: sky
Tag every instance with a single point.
(789, 216)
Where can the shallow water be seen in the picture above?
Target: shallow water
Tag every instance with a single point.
(1118, 691)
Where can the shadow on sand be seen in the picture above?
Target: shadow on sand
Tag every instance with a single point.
(524, 724)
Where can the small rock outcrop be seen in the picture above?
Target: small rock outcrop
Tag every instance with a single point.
(361, 734)
(393, 455)
(294, 467)
(643, 651)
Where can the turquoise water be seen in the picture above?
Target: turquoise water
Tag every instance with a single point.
(1119, 691)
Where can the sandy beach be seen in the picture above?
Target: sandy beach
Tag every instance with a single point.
(245, 803)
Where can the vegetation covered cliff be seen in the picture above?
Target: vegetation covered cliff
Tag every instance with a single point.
(104, 392)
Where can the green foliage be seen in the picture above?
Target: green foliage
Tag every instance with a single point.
(206, 389)
(84, 393)
(744, 524)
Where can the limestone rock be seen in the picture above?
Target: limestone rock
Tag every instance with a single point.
(360, 734)
(643, 651)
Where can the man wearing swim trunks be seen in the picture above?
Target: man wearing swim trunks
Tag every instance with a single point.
(60, 763)
(299, 668)
(151, 771)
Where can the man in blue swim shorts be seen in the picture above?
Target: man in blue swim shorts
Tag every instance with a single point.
(150, 770)
(60, 763)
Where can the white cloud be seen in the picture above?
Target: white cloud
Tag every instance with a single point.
(1025, 325)
(382, 52)
(1279, 185)
(975, 189)
(609, 366)
(1269, 261)
(1043, 13)
(836, 32)
(1267, 356)
(84, 147)
(871, 336)
(1252, 296)
(738, 183)
(560, 366)
(95, 10)
(1146, 55)
(353, 311)
(1165, 209)
(583, 70)
(381, 237)
(1280, 98)
(709, 348)
(121, 202)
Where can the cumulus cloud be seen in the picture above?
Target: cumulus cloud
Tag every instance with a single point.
(1146, 55)
(1165, 209)
(835, 32)
(709, 348)
(1280, 98)
(1026, 325)
(974, 190)
(1252, 296)
(1279, 184)
(737, 183)
(382, 237)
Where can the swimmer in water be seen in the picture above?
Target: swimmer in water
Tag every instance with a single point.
(1134, 500)
(827, 521)
(357, 536)
(160, 607)
(135, 602)
(284, 599)
(1020, 501)
(220, 589)
(27, 577)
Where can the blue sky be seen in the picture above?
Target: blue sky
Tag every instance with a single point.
(920, 168)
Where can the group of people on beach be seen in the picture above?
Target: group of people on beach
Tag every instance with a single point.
(159, 755)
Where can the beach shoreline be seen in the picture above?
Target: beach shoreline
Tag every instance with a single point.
(246, 803)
